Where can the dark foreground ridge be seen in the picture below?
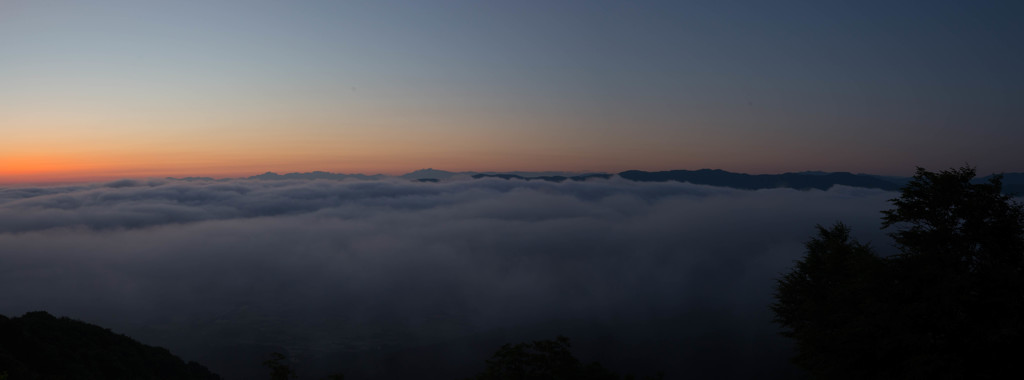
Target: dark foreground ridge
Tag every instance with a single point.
(38, 345)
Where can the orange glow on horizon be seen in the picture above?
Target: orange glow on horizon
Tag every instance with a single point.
(83, 167)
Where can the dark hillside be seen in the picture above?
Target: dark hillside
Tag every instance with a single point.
(38, 345)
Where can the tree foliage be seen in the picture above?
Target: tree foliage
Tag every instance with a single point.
(950, 305)
(279, 368)
(830, 288)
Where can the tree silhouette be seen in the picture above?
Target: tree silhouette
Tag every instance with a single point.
(832, 287)
(950, 305)
(960, 272)
(278, 369)
(544, 360)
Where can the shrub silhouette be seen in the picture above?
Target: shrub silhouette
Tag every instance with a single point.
(279, 370)
(949, 305)
(544, 360)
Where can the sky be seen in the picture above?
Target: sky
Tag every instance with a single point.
(101, 90)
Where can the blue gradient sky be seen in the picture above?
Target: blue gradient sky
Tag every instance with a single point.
(138, 88)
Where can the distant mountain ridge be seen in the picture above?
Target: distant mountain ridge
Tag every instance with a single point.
(1013, 183)
(549, 178)
(315, 175)
(431, 173)
(800, 181)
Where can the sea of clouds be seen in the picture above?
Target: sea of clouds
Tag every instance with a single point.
(391, 278)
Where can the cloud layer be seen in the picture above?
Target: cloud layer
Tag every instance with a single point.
(353, 275)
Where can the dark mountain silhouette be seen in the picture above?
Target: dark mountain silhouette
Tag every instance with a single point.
(801, 181)
(555, 178)
(431, 173)
(1013, 183)
(38, 345)
(195, 179)
(538, 174)
(315, 175)
(435, 174)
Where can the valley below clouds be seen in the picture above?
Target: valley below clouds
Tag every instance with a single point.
(388, 278)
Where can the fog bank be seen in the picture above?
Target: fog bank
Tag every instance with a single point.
(373, 278)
